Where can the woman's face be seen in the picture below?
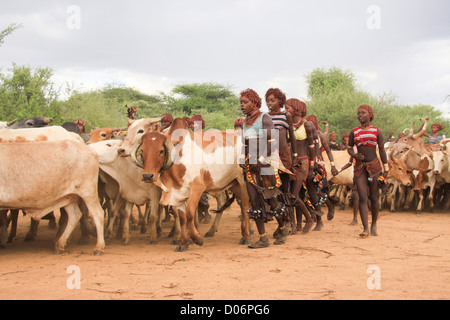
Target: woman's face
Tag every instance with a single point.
(363, 116)
(434, 129)
(246, 105)
(274, 104)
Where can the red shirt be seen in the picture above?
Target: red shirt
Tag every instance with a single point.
(366, 136)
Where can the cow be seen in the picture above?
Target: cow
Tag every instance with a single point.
(344, 179)
(103, 134)
(424, 178)
(415, 140)
(46, 133)
(441, 162)
(44, 176)
(397, 176)
(50, 133)
(132, 190)
(207, 161)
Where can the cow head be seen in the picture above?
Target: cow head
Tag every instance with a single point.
(135, 133)
(399, 171)
(154, 153)
(415, 140)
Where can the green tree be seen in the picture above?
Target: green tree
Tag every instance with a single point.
(6, 32)
(27, 92)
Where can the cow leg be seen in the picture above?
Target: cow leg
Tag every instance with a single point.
(14, 216)
(221, 200)
(119, 202)
(4, 228)
(155, 207)
(196, 193)
(98, 216)
(143, 219)
(181, 214)
(32, 232)
(240, 190)
(126, 223)
(73, 217)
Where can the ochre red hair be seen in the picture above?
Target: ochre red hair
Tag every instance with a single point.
(313, 119)
(298, 106)
(277, 93)
(368, 109)
(252, 96)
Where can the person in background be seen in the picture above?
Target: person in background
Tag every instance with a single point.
(344, 143)
(332, 141)
(81, 125)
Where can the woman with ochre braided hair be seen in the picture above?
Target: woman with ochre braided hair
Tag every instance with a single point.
(261, 176)
(282, 121)
(303, 159)
(367, 168)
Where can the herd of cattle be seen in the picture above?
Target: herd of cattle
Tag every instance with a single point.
(100, 178)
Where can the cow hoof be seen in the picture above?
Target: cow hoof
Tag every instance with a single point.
(244, 242)
(97, 253)
(125, 241)
(175, 242)
(209, 234)
(199, 242)
(153, 242)
(182, 248)
(59, 251)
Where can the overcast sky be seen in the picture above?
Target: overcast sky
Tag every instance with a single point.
(394, 46)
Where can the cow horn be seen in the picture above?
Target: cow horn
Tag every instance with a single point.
(411, 131)
(419, 134)
(154, 120)
(135, 157)
(168, 162)
(10, 123)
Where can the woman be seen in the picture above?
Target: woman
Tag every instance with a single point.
(435, 137)
(262, 178)
(282, 121)
(303, 158)
(344, 143)
(367, 168)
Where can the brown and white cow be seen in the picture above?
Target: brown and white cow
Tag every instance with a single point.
(41, 177)
(424, 178)
(206, 161)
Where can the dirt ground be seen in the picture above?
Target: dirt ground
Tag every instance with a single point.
(410, 259)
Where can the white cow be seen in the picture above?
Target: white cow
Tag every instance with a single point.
(131, 187)
(41, 177)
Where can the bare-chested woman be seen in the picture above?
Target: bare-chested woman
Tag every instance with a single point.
(303, 159)
(367, 168)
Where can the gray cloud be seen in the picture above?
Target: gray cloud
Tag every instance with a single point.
(250, 43)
